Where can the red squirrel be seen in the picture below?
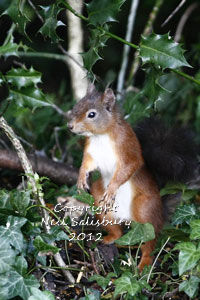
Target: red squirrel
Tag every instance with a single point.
(113, 148)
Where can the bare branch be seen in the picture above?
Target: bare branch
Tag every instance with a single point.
(173, 13)
(129, 31)
(183, 21)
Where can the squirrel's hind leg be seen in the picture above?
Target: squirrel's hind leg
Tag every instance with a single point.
(114, 231)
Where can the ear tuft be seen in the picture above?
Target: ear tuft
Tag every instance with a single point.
(108, 99)
(91, 88)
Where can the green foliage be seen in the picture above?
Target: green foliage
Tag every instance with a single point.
(161, 51)
(101, 280)
(101, 12)
(138, 232)
(49, 13)
(38, 295)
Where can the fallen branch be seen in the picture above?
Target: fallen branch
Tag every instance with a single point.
(58, 172)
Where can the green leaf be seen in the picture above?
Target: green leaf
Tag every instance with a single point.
(102, 281)
(90, 58)
(28, 96)
(20, 200)
(189, 255)
(138, 233)
(7, 259)
(43, 247)
(49, 14)
(195, 226)
(17, 14)
(190, 286)
(91, 294)
(100, 12)
(5, 199)
(162, 51)
(39, 295)
(85, 197)
(22, 77)
(152, 88)
(184, 213)
(12, 284)
(9, 49)
(21, 265)
(126, 284)
(55, 234)
(176, 234)
(173, 188)
(11, 233)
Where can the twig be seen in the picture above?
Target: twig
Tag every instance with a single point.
(170, 294)
(149, 275)
(36, 11)
(93, 262)
(38, 195)
(183, 20)
(129, 31)
(173, 13)
(70, 56)
(147, 30)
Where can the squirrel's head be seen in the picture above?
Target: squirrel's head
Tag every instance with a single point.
(93, 114)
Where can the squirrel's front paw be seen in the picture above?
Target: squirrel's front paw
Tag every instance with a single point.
(108, 197)
(82, 183)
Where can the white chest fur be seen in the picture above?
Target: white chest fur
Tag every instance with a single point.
(102, 151)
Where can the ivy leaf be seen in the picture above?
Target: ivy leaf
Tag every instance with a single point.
(28, 97)
(55, 234)
(13, 284)
(43, 247)
(39, 295)
(102, 281)
(195, 226)
(5, 200)
(189, 255)
(17, 14)
(126, 283)
(138, 233)
(22, 77)
(49, 14)
(190, 286)
(20, 200)
(21, 265)
(100, 12)
(161, 51)
(7, 259)
(11, 233)
(184, 213)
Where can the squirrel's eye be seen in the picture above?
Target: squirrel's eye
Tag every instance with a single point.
(92, 114)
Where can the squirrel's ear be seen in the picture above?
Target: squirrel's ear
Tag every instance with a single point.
(108, 99)
(91, 88)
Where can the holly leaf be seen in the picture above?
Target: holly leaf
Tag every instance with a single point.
(17, 14)
(13, 284)
(22, 77)
(49, 14)
(126, 284)
(162, 51)
(189, 255)
(28, 97)
(138, 233)
(190, 286)
(153, 89)
(40, 295)
(184, 213)
(90, 58)
(100, 12)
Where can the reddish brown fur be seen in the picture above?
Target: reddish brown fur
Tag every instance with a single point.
(146, 203)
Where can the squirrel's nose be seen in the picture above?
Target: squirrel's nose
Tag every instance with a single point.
(70, 125)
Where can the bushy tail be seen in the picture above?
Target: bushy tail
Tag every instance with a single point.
(170, 153)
